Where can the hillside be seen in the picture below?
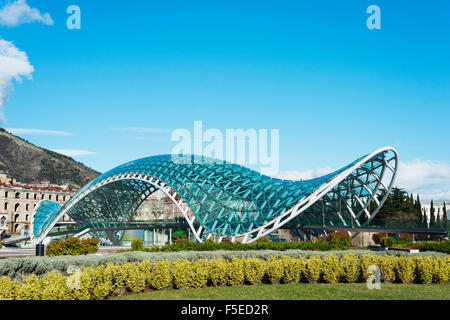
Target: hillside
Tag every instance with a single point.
(29, 163)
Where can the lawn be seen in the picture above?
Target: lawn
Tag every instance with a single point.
(303, 291)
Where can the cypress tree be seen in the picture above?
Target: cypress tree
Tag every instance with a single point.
(432, 211)
(444, 214)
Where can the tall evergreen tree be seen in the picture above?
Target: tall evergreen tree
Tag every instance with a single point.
(444, 214)
(432, 218)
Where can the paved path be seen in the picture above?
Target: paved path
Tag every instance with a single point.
(25, 252)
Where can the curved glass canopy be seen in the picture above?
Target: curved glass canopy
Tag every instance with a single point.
(220, 199)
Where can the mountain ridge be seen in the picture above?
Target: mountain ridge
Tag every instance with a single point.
(28, 163)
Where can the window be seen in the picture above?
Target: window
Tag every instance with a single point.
(6, 194)
(27, 208)
(17, 195)
(16, 207)
(28, 196)
(49, 197)
(6, 205)
(57, 198)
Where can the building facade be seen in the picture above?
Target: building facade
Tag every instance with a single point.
(438, 209)
(18, 200)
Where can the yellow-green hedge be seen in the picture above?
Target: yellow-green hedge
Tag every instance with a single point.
(115, 279)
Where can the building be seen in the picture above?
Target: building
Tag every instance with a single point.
(438, 209)
(18, 200)
(221, 200)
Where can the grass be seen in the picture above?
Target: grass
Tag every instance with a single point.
(303, 291)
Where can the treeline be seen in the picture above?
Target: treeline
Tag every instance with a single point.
(400, 204)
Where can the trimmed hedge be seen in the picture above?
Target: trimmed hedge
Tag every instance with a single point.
(72, 246)
(115, 279)
(437, 246)
(334, 241)
(19, 267)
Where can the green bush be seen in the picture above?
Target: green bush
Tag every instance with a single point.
(217, 269)
(405, 269)
(387, 242)
(339, 240)
(365, 261)
(274, 270)
(254, 270)
(294, 269)
(72, 246)
(350, 268)
(387, 268)
(137, 245)
(331, 269)
(104, 281)
(313, 269)
(378, 236)
(181, 272)
(437, 246)
(234, 272)
(7, 288)
(161, 275)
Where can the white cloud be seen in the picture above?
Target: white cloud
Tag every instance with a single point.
(73, 153)
(418, 174)
(429, 178)
(21, 131)
(19, 12)
(304, 175)
(14, 65)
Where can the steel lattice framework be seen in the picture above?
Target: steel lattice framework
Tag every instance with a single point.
(227, 200)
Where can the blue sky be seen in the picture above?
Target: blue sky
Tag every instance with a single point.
(335, 89)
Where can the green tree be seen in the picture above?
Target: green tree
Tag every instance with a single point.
(432, 218)
(444, 214)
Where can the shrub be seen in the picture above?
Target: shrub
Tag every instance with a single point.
(200, 274)
(350, 268)
(54, 287)
(378, 236)
(405, 238)
(405, 269)
(161, 276)
(181, 271)
(438, 246)
(365, 261)
(274, 269)
(442, 270)
(7, 288)
(254, 270)
(217, 269)
(72, 246)
(426, 268)
(387, 268)
(313, 269)
(29, 289)
(135, 280)
(294, 269)
(339, 240)
(331, 268)
(263, 239)
(137, 245)
(234, 272)
(387, 242)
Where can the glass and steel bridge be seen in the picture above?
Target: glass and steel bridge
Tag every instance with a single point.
(223, 200)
